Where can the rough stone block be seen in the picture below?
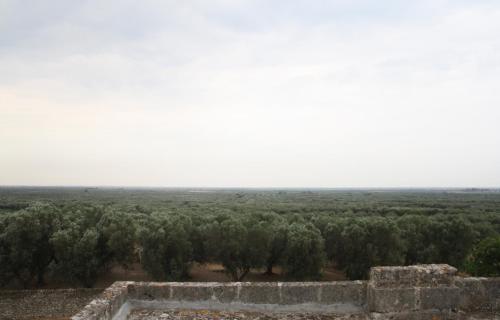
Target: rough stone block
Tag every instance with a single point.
(149, 291)
(108, 303)
(429, 275)
(392, 300)
(134, 290)
(418, 315)
(492, 287)
(392, 277)
(479, 294)
(225, 293)
(440, 298)
(435, 275)
(160, 291)
(259, 293)
(185, 291)
(300, 292)
(353, 292)
(473, 293)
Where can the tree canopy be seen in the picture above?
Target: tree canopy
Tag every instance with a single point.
(80, 236)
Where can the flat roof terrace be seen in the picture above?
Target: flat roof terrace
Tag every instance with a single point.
(413, 292)
(187, 314)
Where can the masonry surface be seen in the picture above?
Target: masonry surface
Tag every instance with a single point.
(412, 292)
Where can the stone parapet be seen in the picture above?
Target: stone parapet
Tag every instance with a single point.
(107, 305)
(413, 292)
(418, 276)
(413, 289)
(279, 293)
(479, 294)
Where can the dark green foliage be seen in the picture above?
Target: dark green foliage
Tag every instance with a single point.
(419, 233)
(355, 261)
(199, 238)
(91, 239)
(78, 233)
(485, 258)
(334, 241)
(78, 256)
(117, 230)
(304, 253)
(357, 245)
(455, 239)
(25, 249)
(239, 244)
(277, 246)
(166, 247)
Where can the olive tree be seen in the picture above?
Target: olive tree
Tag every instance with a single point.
(369, 242)
(25, 248)
(418, 234)
(277, 246)
(166, 246)
(454, 238)
(117, 231)
(485, 259)
(240, 244)
(78, 256)
(304, 254)
(91, 240)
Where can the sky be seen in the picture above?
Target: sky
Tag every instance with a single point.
(257, 93)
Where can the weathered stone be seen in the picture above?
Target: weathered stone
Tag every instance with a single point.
(225, 293)
(192, 291)
(393, 277)
(300, 292)
(149, 291)
(108, 303)
(479, 294)
(430, 275)
(393, 300)
(344, 292)
(492, 287)
(145, 314)
(418, 315)
(259, 293)
(441, 298)
(422, 292)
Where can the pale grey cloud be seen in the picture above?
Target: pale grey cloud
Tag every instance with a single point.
(250, 93)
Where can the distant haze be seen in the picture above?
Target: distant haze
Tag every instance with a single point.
(250, 93)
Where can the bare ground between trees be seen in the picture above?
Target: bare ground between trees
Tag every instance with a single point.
(207, 272)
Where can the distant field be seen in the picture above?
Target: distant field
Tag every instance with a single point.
(334, 201)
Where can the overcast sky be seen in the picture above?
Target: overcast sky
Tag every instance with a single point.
(292, 93)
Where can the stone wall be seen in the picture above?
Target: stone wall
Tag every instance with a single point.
(273, 293)
(408, 292)
(413, 292)
(479, 294)
(107, 305)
